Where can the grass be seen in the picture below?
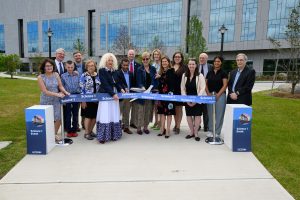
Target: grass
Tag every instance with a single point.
(275, 130)
(276, 139)
(15, 96)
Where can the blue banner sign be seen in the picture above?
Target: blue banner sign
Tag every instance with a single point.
(150, 96)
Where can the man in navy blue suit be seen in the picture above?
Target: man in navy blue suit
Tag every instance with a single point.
(133, 68)
(126, 79)
(241, 81)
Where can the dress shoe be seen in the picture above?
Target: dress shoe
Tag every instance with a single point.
(167, 136)
(197, 139)
(146, 131)
(189, 136)
(127, 130)
(140, 132)
(133, 126)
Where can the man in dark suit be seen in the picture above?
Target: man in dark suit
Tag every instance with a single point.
(59, 58)
(133, 68)
(204, 67)
(126, 79)
(241, 81)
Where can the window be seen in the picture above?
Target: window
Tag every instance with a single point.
(32, 36)
(65, 33)
(249, 20)
(278, 17)
(221, 12)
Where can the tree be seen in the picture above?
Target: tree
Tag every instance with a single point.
(292, 34)
(37, 60)
(293, 38)
(156, 43)
(122, 42)
(195, 41)
(79, 46)
(11, 63)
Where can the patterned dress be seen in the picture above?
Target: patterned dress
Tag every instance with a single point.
(165, 87)
(51, 84)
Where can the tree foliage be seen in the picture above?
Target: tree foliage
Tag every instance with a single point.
(122, 42)
(195, 41)
(156, 43)
(292, 33)
(10, 63)
(79, 46)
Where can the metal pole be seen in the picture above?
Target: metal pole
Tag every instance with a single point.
(49, 41)
(222, 42)
(65, 141)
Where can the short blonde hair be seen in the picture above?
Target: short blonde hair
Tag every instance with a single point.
(104, 59)
(146, 53)
(89, 62)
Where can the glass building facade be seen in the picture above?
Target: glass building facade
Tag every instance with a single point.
(221, 12)
(144, 23)
(249, 20)
(32, 36)
(278, 17)
(65, 33)
(2, 41)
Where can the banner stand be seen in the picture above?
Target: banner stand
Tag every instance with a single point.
(214, 140)
(65, 141)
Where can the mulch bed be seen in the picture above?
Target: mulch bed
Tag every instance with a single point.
(285, 95)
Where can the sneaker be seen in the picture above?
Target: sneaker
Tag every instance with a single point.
(209, 134)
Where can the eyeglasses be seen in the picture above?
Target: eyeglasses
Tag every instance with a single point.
(239, 60)
(146, 58)
(48, 66)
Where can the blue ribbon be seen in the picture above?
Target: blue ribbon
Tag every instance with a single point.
(150, 96)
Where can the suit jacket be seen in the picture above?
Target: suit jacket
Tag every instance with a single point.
(122, 79)
(76, 67)
(243, 86)
(141, 77)
(56, 70)
(209, 67)
(109, 80)
(136, 67)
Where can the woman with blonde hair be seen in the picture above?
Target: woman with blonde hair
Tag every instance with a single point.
(108, 115)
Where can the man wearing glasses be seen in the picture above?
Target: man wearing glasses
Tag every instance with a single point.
(241, 81)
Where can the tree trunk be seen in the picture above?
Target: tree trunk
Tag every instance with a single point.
(11, 75)
(294, 83)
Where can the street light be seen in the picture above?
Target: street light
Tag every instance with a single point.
(222, 29)
(50, 33)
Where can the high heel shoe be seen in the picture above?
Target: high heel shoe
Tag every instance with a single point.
(189, 136)
(167, 136)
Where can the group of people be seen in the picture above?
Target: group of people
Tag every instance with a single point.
(157, 71)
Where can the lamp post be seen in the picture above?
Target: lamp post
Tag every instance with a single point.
(222, 29)
(49, 33)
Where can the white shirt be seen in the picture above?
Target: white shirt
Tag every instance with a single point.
(205, 69)
(58, 67)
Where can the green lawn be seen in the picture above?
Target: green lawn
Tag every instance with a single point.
(15, 96)
(275, 131)
(276, 138)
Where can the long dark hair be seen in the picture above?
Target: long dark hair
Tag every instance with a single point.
(47, 60)
(161, 70)
(220, 58)
(181, 68)
(196, 73)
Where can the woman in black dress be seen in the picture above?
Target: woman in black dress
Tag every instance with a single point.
(193, 83)
(165, 86)
(179, 68)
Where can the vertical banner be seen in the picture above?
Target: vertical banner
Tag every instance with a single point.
(241, 138)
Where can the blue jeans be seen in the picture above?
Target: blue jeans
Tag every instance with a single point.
(220, 111)
(71, 114)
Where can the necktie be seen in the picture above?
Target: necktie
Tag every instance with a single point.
(131, 67)
(202, 70)
(61, 69)
(238, 73)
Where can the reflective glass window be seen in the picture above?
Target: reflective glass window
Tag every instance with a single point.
(32, 36)
(65, 33)
(2, 41)
(249, 20)
(221, 12)
(278, 17)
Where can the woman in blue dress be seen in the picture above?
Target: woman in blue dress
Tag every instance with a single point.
(108, 115)
(51, 91)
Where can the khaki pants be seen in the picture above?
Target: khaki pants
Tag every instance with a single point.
(144, 113)
(125, 106)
